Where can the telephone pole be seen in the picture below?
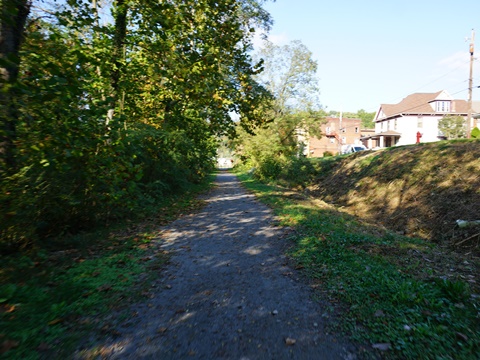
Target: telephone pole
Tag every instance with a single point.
(470, 85)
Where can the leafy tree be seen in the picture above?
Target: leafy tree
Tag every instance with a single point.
(367, 119)
(452, 127)
(105, 119)
(290, 76)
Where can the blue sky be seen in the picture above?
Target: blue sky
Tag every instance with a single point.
(379, 51)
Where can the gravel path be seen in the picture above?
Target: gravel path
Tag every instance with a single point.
(228, 292)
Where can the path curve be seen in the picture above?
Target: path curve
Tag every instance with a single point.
(228, 292)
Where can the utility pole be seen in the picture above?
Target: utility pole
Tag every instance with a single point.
(470, 85)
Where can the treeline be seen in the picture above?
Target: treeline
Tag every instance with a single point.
(107, 109)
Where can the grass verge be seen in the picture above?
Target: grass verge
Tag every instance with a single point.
(50, 300)
(388, 291)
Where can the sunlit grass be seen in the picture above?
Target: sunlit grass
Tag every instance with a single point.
(387, 287)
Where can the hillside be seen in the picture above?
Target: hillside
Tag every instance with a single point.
(418, 191)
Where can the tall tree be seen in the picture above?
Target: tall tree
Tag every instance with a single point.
(290, 76)
(13, 16)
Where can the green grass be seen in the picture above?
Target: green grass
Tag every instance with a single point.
(384, 292)
(52, 299)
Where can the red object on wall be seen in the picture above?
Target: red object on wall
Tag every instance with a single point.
(418, 137)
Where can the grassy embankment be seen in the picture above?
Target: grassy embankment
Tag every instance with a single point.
(52, 298)
(410, 297)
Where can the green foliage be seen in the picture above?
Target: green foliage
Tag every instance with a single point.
(60, 295)
(366, 117)
(385, 294)
(50, 297)
(452, 127)
(276, 149)
(111, 118)
(475, 133)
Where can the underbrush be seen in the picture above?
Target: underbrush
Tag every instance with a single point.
(387, 290)
(290, 171)
(51, 298)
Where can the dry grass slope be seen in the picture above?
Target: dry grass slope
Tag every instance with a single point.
(416, 190)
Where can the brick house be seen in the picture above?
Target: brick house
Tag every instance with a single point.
(336, 132)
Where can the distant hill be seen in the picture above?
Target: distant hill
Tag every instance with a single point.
(419, 190)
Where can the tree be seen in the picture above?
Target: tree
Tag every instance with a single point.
(367, 119)
(13, 16)
(452, 127)
(106, 118)
(290, 76)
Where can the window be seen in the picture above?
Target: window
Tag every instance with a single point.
(356, 129)
(420, 122)
(443, 106)
(395, 124)
(327, 130)
(388, 125)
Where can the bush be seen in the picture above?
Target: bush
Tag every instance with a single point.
(475, 134)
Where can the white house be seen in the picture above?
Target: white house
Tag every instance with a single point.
(416, 115)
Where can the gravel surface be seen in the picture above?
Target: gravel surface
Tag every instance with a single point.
(228, 292)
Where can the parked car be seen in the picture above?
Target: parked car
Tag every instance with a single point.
(349, 149)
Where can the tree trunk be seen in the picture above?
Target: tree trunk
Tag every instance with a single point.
(120, 34)
(13, 16)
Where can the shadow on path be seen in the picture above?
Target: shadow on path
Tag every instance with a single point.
(228, 292)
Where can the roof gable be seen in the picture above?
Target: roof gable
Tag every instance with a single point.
(421, 103)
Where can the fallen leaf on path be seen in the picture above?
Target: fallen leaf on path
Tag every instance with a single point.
(162, 330)
(7, 308)
(105, 287)
(55, 321)
(8, 345)
(290, 341)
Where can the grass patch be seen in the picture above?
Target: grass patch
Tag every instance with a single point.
(388, 290)
(50, 299)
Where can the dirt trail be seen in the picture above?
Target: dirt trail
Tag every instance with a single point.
(228, 292)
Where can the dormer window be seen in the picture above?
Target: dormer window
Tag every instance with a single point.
(442, 106)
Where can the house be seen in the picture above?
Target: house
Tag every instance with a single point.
(417, 115)
(336, 132)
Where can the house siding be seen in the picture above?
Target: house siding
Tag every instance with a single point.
(418, 112)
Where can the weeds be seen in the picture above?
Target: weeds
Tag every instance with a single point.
(51, 299)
